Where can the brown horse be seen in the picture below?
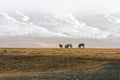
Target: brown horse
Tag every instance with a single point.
(81, 45)
(68, 46)
(60, 45)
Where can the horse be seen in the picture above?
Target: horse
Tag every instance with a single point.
(60, 45)
(81, 45)
(68, 46)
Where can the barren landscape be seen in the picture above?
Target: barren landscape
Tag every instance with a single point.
(59, 64)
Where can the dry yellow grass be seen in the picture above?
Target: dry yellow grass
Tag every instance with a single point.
(22, 61)
(89, 52)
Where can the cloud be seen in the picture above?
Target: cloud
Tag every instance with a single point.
(25, 18)
(6, 16)
(78, 29)
(55, 25)
(11, 27)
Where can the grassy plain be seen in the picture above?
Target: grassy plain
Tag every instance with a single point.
(59, 64)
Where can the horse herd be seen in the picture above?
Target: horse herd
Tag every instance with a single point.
(81, 45)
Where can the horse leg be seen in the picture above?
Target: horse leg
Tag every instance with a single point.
(83, 46)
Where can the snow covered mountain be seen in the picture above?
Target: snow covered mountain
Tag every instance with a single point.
(90, 26)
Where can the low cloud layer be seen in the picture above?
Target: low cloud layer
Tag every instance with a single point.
(63, 25)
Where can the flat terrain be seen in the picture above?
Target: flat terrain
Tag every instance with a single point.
(59, 64)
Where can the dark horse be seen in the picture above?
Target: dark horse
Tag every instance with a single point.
(81, 45)
(60, 45)
(68, 46)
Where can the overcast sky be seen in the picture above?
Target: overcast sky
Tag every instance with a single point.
(60, 5)
(100, 26)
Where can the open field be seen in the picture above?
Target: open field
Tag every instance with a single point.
(59, 64)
